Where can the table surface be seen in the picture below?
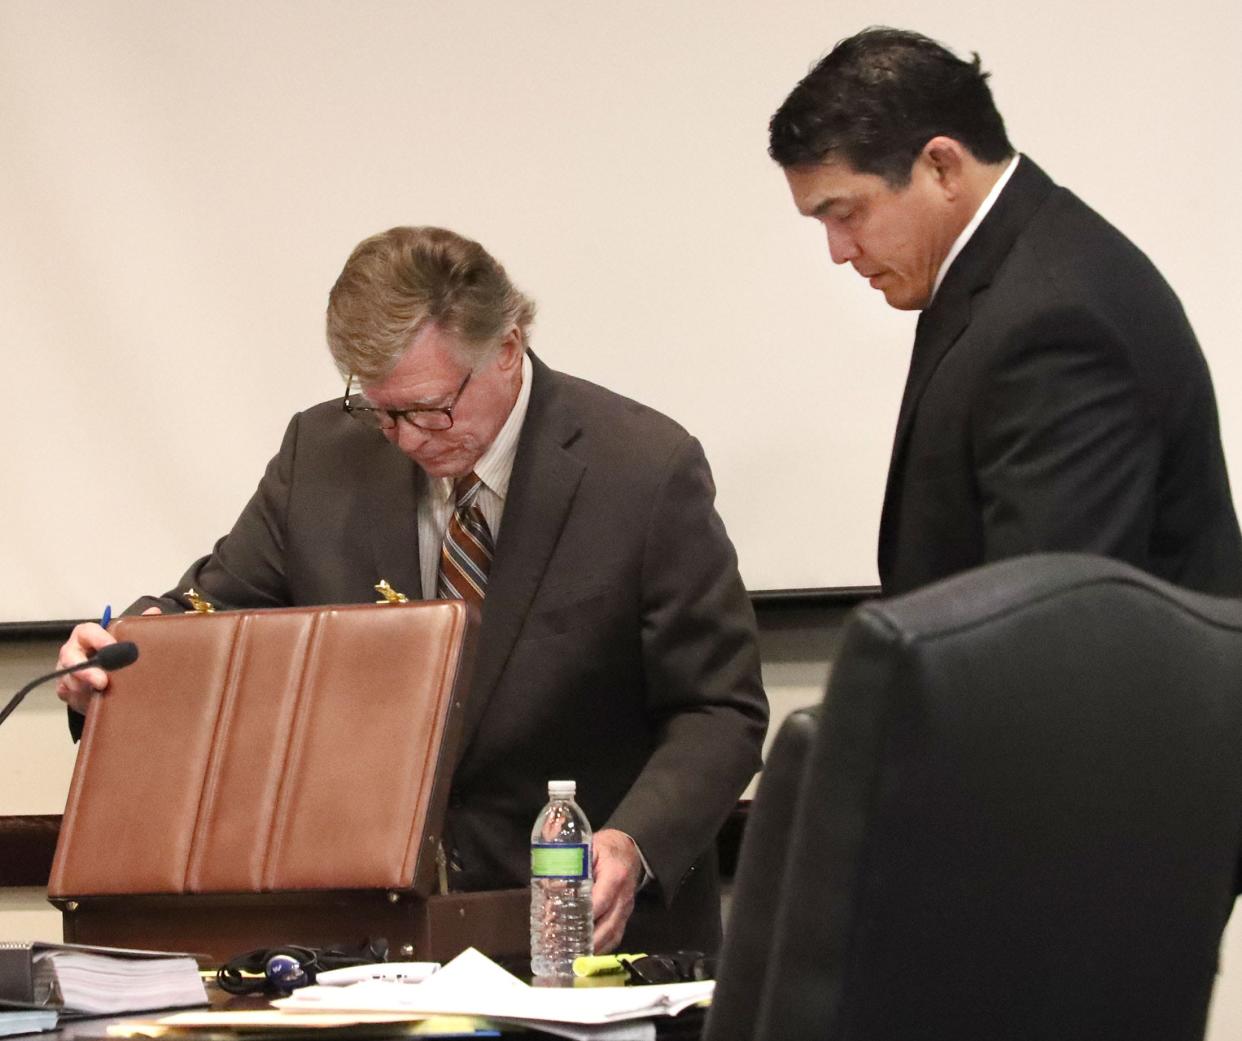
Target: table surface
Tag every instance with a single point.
(686, 1027)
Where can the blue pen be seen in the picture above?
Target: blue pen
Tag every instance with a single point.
(107, 616)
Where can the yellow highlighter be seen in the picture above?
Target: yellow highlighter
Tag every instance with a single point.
(602, 964)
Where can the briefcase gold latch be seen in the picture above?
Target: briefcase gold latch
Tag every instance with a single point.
(197, 601)
(390, 595)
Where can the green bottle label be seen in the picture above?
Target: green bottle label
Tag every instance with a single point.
(560, 861)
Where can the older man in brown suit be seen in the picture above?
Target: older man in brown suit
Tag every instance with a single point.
(617, 644)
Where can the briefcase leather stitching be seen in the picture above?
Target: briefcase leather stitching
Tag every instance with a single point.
(212, 773)
(293, 755)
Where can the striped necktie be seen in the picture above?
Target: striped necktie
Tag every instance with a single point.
(467, 554)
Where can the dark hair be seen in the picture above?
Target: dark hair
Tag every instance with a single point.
(878, 98)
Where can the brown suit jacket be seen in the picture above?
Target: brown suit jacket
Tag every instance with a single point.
(617, 644)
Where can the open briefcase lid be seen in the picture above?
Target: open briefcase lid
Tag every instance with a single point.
(268, 751)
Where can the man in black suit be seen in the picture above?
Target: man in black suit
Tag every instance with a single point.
(1057, 398)
(617, 644)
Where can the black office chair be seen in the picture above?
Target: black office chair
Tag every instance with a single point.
(1020, 818)
(757, 886)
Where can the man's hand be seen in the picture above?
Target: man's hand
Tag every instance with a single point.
(75, 690)
(618, 869)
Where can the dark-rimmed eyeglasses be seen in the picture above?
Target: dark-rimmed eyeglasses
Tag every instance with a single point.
(678, 967)
(425, 417)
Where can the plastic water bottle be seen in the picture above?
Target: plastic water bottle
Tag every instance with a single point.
(561, 923)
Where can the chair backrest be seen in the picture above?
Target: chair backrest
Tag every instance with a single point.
(757, 883)
(1021, 816)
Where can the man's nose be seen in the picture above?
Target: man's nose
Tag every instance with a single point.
(407, 436)
(841, 247)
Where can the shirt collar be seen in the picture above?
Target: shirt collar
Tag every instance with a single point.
(495, 466)
(960, 242)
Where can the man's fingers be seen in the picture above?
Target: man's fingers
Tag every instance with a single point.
(617, 872)
(611, 923)
(605, 889)
(75, 690)
(608, 932)
(84, 641)
(74, 694)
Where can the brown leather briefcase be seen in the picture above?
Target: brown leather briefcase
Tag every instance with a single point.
(262, 778)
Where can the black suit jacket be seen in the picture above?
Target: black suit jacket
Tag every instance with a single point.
(1057, 400)
(617, 644)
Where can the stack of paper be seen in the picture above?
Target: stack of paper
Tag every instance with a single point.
(86, 981)
(97, 980)
(473, 984)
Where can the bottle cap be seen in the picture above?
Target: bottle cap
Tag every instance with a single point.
(562, 788)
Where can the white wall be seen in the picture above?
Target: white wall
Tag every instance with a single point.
(182, 182)
(36, 753)
(36, 763)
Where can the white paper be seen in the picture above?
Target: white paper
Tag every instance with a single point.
(472, 984)
(630, 1030)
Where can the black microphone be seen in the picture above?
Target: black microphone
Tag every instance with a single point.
(114, 656)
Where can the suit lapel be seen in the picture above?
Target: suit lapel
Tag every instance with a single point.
(542, 488)
(942, 324)
(393, 506)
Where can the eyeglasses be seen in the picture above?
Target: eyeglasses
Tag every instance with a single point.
(678, 967)
(425, 417)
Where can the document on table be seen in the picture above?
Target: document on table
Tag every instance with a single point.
(266, 1023)
(472, 984)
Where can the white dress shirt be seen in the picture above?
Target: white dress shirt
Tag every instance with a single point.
(494, 468)
(960, 242)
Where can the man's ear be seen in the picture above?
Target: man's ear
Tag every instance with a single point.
(945, 160)
(511, 349)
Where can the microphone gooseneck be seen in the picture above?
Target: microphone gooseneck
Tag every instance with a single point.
(114, 656)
